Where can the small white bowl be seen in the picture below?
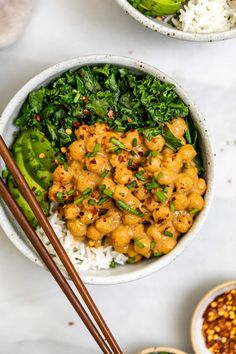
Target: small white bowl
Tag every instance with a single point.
(167, 30)
(158, 350)
(198, 342)
(127, 272)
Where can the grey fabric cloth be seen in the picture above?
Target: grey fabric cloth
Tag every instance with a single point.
(13, 16)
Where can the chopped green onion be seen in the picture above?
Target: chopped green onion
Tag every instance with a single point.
(113, 264)
(122, 205)
(168, 233)
(194, 212)
(92, 201)
(139, 244)
(139, 175)
(132, 184)
(5, 174)
(70, 192)
(172, 207)
(118, 151)
(165, 189)
(103, 240)
(84, 195)
(76, 98)
(161, 196)
(102, 186)
(152, 185)
(147, 153)
(117, 143)
(38, 193)
(95, 151)
(152, 245)
(134, 142)
(157, 254)
(131, 260)
(132, 152)
(130, 161)
(104, 173)
(154, 153)
(103, 200)
(160, 175)
(108, 192)
(59, 196)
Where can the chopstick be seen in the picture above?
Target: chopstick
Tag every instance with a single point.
(44, 223)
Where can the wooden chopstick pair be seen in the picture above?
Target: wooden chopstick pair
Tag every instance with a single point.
(107, 343)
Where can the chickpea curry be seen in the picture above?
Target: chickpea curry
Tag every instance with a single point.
(124, 190)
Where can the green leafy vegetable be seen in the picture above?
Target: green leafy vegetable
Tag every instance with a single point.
(156, 8)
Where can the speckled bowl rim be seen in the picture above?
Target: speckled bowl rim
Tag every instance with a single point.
(201, 307)
(160, 349)
(174, 32)
(120, 274)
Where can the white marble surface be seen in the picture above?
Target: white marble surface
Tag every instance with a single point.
(156, 310)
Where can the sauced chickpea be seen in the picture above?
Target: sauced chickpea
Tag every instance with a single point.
(93, 233)
(60, 175)
(184, 183)
(77, 228)
(165, 176)
(156, 144)
(187, 153)
(180, 200)
(122, 175)
(121, 189)
(77, 150)
(71, 211)
(121, 236)
(182, 222)
(195, 201)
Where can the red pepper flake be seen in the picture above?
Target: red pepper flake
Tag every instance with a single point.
(93, 161)
(94, 211)
(219, 324)
(130, 120)
(37, 117)
(140, 153)
(149, 200)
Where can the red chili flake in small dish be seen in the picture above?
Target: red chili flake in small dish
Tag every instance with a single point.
(219, 324)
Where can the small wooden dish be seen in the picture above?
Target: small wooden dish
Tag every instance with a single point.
(168, 350)
(198, 342)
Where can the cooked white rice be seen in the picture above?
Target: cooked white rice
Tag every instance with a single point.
(83, 257)
(206, 16)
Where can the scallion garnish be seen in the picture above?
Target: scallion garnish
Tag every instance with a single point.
(84, 195)
(59, 197)
(107, 192)
(139, 175)
(132, 152)
(113, 264)
(132, 184)
(165, 189)
(131, 260)
(102, 187)
(117, 143)
(103, 200)
(172, 207)
(152, 245)
(194, 212)
(70, 192)
(5, 174)
(146, 153)
(161, 196)
(92, 201)
(123, 206)
(130, 161)
(95, 151)
(103, 240)
(134, 142)
(168, 233)
(139, 244)
(152, 184)
(157, 254)
(160, 175)
(104, 173)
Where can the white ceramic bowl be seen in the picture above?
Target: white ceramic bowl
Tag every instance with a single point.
(168, 350)
(198, 342)
(170, 31)
(128, 272)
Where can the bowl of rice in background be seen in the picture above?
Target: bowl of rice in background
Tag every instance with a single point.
(197, 20)
(94, 264)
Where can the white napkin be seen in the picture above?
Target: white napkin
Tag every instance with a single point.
(13, 16)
